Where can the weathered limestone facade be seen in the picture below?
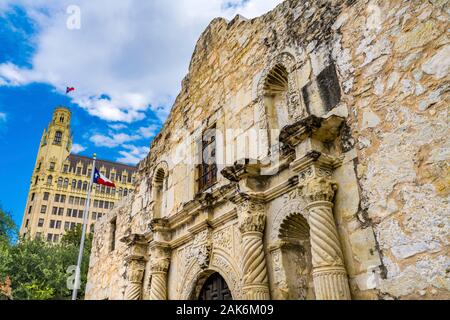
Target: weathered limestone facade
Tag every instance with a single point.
(345, 195)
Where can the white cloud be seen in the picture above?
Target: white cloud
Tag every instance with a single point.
(113, 140)
(77, 148)
(11, 75)
(2, 117)
(136, 52)
(118, 126)
(150, 131)
(133, 154)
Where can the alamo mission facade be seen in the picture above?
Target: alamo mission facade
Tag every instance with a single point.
(306, 157)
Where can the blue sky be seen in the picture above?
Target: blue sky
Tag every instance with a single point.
(126, 60)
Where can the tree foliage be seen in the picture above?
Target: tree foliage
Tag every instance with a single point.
(39, 270)
(8, 229)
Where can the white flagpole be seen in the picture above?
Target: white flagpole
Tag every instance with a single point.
(83, 233)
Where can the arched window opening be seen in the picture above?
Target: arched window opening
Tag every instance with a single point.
(125, 192)
(58, 137)
(60, 182)
(85, 186)
(49, 180)
(276, 102)
(120, 192)
(79, 184)
(66, 183)
(74, 184)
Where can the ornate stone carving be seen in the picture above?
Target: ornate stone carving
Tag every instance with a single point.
(320, 189)
(201, 248)
(295, 107)
(225, 267)
(158, 287)
(251, 213)
(331, 283)
(222, 239)
(135, 275)
(159, 258)
(159, 265)
(135, 258)
(324, 239)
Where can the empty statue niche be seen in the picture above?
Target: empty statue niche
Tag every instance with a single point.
(296, 258)
(159, 194)
(276, 101)
(324, 93)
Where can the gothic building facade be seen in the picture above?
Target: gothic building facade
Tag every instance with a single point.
(304, 158)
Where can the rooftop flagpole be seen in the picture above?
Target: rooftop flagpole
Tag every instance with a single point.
(83, 233)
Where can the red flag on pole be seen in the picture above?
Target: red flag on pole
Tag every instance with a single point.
(69, 89)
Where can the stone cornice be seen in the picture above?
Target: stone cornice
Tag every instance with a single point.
(281, 188)
(201, 202)
(317, 159)
(321, 129)
(243, 169)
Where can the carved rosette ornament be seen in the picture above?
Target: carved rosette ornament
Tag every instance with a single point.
(252, 219)
(159, 265)
(329, 274)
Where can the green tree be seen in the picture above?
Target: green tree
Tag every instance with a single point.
(8, 229)
(73, 237)
(39, 270)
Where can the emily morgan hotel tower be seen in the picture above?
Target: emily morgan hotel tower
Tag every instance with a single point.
(59, 184)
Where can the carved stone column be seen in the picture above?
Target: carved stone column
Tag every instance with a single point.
(159, 266)
(136, 266)
(159, 260)
(252, 219)
(135, 277)
(329, 274)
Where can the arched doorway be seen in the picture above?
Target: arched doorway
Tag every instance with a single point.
(215, 288)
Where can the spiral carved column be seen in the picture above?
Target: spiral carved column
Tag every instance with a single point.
(329, 274)
(159, 266)
(135, 277)
(252, 219)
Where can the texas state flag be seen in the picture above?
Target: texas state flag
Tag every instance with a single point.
(101, 179)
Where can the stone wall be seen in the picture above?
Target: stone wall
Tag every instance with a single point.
(377, 72)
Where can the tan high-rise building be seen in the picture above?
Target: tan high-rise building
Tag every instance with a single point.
(59, 184)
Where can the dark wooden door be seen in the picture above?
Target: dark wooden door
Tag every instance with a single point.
(215, 288)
